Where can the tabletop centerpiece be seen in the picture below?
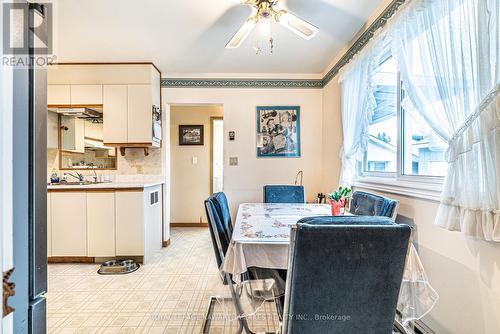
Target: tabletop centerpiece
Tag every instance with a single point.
(338, 200)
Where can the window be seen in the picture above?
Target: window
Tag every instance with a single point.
(381, 152)
(400, 142)
(422, 149)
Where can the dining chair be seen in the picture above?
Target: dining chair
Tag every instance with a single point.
(368, 204)
(344, 275)
(222, 205)
(220, 243)
(284, 194)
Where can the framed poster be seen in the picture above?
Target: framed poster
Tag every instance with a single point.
(278, 131)
(191, 135)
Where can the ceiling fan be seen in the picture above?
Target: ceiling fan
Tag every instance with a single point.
(271, 9)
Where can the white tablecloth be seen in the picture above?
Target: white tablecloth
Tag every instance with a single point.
(261, 238)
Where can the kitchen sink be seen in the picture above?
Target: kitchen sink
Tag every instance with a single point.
(76, 183)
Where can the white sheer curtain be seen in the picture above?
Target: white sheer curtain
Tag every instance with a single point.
(448, 54)
(357, 105)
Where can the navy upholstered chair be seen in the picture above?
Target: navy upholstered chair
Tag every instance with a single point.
(284, 194)
(344, 275)
(222, 205)
(367, 204)
(218, 232)
(219, 221)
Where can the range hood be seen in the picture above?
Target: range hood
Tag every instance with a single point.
(79, 112)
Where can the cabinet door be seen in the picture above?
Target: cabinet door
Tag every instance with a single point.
(69, 224)
(140, 114)
(58, 95)
(101, 223)
(156, 89)
(49, 225)
(73, 134)
(129, 223)
(115, 114)
(86, 94)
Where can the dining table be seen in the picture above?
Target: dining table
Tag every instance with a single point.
(261, 239)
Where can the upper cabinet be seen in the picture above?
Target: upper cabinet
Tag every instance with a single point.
(140, 108)
(130, 95)
(76, 95)
(59, 95)
(115, 111)
(86, 94)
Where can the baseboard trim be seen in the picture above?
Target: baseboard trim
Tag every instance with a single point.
(189, 225)
(166, 243)
(70, 259)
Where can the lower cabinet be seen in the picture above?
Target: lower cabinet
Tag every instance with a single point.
(69, 223)
(49, 225)
(101, 223)
(129, 223)
(105, 223)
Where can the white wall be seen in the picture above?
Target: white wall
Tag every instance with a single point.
(190, 183)
(244, 183)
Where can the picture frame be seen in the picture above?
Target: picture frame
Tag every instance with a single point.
(191, 135)
(278, 131)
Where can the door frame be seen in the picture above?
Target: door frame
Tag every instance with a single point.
(212, 120)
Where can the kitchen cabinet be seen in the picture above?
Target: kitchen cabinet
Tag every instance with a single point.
(127, 93)
(69, 223)
(58, 94)
(129, 223)
(86, 95)
(140, 104)
(104, 223)
(101, 223)
(72, 134)
(66, 95)
(52, 130)
(93, 131)
(49, 225)
(115, 114)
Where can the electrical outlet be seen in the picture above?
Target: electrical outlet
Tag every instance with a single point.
(233, 161)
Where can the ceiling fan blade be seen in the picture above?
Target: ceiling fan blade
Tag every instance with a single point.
(299, 26)
(242, 33)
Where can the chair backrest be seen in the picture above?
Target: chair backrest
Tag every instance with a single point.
(344, 275)
(367, 204)
(284, 194)
(222, 206)
(220, 240)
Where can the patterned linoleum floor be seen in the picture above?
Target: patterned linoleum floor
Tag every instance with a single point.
(168, 295)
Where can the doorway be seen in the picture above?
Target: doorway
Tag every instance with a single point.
(196, 164)
(217, 154)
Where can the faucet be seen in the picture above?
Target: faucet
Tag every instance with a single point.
(95, 175)
(78, 176)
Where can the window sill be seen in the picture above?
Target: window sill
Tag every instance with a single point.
(424, 190)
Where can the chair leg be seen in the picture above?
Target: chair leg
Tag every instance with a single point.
(400, 327)
(243, 323)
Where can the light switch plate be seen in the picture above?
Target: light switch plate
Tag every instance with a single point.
(195, 160)
(233, 161)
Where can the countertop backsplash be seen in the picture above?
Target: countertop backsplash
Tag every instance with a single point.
(133, 167)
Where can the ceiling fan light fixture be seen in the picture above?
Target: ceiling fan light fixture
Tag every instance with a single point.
(242, 33)
(297, 25)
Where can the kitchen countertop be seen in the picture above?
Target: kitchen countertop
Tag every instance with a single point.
(106, 185)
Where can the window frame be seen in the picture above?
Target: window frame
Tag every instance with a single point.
(391, 180)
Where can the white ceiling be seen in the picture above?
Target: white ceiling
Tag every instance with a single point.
(188, 36)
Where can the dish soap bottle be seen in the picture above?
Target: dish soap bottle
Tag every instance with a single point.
(54, 178)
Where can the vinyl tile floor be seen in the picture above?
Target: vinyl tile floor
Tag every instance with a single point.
(168, 295)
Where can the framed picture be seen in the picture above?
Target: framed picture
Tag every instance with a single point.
(191, 135)
(278, 131)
